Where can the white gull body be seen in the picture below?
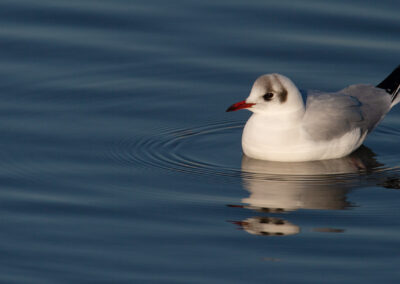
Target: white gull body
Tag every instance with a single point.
(330, 125)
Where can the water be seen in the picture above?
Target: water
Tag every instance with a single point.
(118, 163)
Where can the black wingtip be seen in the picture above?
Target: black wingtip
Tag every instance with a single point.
(392, 82)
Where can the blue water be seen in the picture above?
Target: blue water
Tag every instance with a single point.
(119, 164)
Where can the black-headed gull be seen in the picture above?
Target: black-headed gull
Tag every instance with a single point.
(329, 126)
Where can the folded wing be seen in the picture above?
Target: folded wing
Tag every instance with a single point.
(331, 115)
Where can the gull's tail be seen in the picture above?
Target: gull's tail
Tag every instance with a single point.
(392, 85)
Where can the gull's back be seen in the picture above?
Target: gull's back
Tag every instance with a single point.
(331, 115)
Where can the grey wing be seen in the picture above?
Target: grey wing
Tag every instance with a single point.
(331, 115)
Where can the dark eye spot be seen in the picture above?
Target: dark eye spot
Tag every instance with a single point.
(283, 96)
(268, 96)
(264, 221)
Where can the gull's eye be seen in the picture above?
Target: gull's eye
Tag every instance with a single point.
(268, 96)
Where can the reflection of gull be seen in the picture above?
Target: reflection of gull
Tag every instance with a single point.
(276, 186)
(268, 226)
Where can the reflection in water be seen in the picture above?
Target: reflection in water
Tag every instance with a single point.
(276, 187)
(268, 226)
(391, 182)
(328, 230)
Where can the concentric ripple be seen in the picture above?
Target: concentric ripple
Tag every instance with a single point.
(169, 150)
(213, 150)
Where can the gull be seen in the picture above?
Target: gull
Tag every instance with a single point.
(328, 126)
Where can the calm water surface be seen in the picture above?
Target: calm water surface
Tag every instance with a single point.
(118, 163)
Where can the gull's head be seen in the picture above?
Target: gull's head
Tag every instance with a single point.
(271, 93)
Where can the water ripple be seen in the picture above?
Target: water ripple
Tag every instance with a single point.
(167, 150)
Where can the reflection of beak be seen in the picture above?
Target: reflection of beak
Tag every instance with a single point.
(239, 223)
(239, 105)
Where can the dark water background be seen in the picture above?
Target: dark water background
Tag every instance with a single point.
(118, 163)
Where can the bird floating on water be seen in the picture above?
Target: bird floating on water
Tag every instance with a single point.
(330, 125)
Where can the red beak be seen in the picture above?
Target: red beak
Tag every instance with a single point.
(239, 105)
